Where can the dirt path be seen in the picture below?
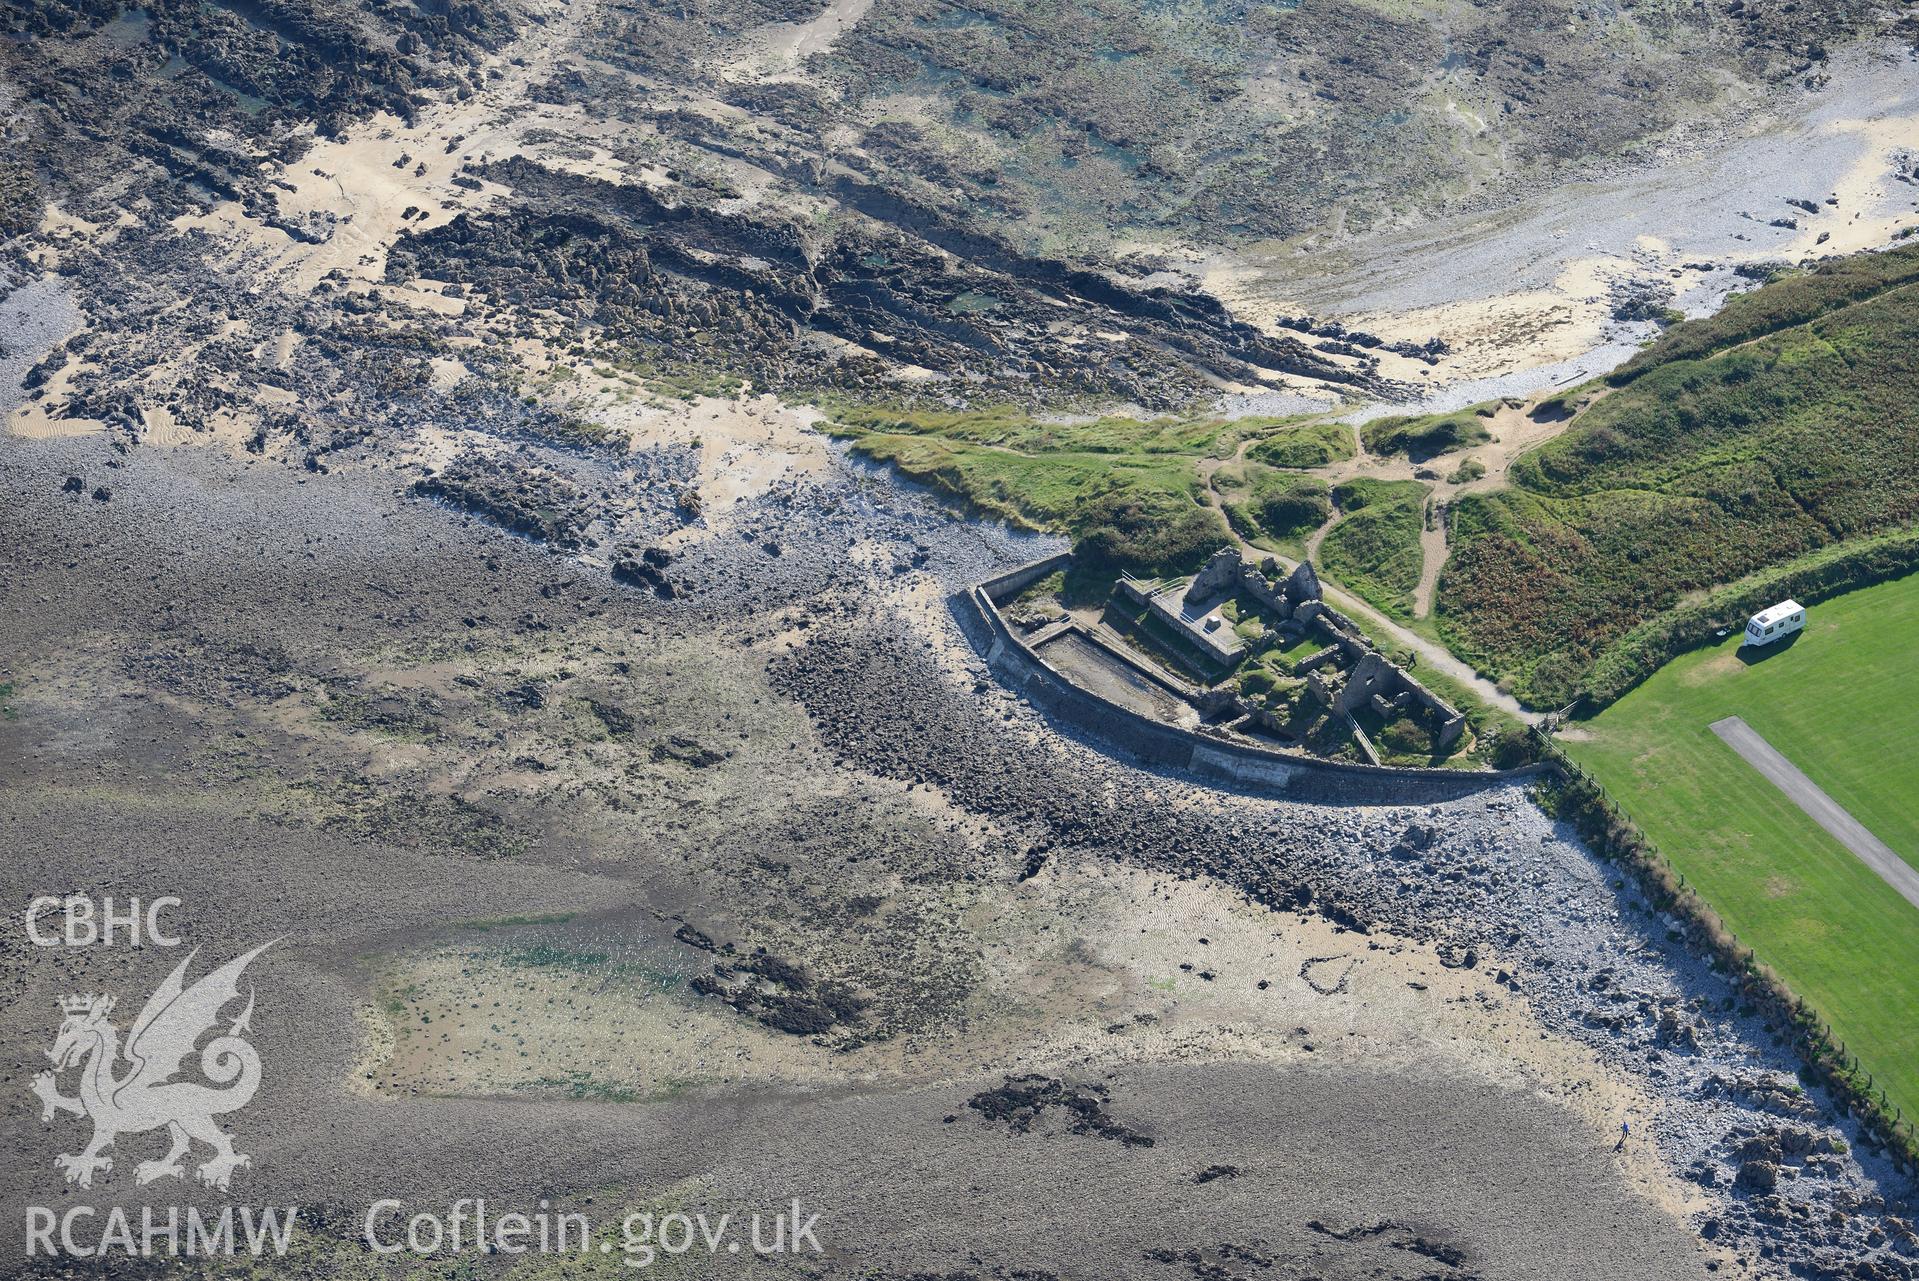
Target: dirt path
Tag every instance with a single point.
(1514, 432)
(1433, 551)
(1819, 807)
(1431, 654)
(1318, 536)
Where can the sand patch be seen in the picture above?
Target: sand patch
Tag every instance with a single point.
(45, 416)
(1868, 205)
(426, 299)
(748, 444)
(1515, 431)
(350, 199)
(353, 198)
(1495, 335)
(1506, 332)
(448, 373)
(35, 319)
(159, 426)
(778, 49)
(57, 224)
(1085, 967)
(536, 1019)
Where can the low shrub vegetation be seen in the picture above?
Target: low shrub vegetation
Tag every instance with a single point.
(1273, 507)
(1305, 445)
(1128, 490)
(1794, 298)
(1468, 471)
(1016, 429)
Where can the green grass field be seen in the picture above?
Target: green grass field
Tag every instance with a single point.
(1272, 508)
(1840, 702)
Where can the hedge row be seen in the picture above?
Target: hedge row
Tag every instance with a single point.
(1698, 475)
(1819, 576)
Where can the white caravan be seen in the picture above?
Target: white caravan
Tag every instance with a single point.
(1769, 624)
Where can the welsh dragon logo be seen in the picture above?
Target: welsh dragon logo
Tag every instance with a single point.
(144, 1096)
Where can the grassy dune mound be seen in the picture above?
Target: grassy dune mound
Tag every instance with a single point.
(1128, 489)
(1428, 436)
(1307, 445)
(1374, 549)
(1273, 507)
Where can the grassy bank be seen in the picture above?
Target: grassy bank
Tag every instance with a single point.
(1129, 490)
(1272, 508)
(1738, 443)
(1305, 445)
(1796, 298)
(1428, 436)
(1374, 549)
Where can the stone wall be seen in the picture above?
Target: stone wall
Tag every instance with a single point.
(1014, 581)
(1165, 680)
(1219, 574)
(1375, 677)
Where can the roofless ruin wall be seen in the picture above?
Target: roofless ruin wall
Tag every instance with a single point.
(1241, 766)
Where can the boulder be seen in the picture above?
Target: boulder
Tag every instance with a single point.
(1758, 1176)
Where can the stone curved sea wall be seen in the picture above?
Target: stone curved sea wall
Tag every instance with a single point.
(1241, 766)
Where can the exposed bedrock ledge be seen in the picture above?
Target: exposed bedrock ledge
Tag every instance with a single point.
(628, 258)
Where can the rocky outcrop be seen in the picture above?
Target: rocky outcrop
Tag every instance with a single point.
(782, 995)
(523, 499)
(1020, 1102)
